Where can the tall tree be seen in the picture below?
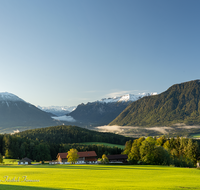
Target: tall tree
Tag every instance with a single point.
(128, 146)
(1, 158)
(161, 156)
(134, 155)
(72, 156)
(147, 150)
(104, 159)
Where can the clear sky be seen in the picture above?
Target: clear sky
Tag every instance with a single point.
(67, 52)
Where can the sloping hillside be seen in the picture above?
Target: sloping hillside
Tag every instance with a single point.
(98, 113)
(70, 134)
(179, 104)
(15, 113)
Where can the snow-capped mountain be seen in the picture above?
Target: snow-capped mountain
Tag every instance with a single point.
(9, 97)
(15, 113)
(64, 110)
(58, 110)
(126, 98)
(104, 111)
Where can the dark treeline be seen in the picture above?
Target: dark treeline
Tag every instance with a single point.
(17, 148)
(71, 134)
(181, 152)
(46, 143)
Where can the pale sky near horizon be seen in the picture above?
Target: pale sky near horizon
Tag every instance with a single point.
(69, 52)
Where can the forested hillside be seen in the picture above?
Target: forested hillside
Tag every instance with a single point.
(46, 143)
(179, 104)
(71, 134)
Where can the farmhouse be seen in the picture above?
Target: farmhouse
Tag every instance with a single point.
(88, 156)
(24, 161)
(117, 158)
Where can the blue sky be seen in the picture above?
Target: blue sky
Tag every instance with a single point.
(71, 52)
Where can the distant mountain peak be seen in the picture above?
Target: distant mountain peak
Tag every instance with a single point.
(126, 98)
(6, 96)
(58, 110)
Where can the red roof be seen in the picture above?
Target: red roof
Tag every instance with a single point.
(62, 155)
(81, 154)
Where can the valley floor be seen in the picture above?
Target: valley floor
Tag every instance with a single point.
(98, 177)
(136, 132)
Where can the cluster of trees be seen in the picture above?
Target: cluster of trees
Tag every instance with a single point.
(181, 152)
(17, 148)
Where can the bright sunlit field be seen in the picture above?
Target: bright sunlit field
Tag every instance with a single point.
(10, 161)
(98, 177)
(196, 136)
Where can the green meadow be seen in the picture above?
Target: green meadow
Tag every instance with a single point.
(98, 177)
(10, 161)
(196, 136)
(105, 144)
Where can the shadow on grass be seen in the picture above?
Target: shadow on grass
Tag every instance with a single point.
(93, 167)
(114, 167)
(18, 187)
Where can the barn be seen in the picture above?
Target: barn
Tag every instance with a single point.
(88, 156)
(120, 158)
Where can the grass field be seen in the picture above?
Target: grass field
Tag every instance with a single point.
(10, 161)
(196, 136)
(98, 177)
(105, 144)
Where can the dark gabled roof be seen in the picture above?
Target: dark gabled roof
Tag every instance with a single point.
(81, 154)
(25, 160)
(87, 154)
(117, 156)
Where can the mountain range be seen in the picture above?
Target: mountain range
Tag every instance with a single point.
(180, 104)
(104, 111)
(17, 114)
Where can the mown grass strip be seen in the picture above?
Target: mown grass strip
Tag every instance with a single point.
(105, 144)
